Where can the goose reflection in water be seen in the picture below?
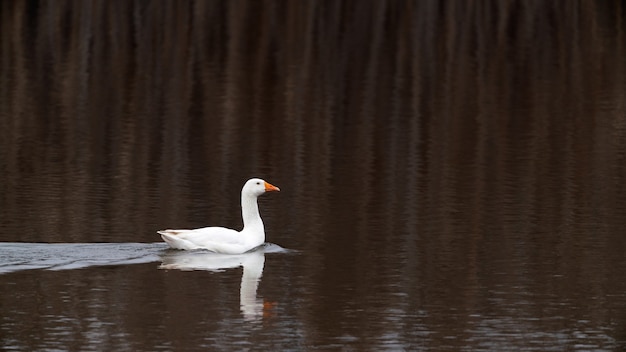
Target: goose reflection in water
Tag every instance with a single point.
(253, 262)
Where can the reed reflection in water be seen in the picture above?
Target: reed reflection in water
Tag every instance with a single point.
(451, 172)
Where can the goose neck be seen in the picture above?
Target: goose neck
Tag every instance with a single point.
(250, 212)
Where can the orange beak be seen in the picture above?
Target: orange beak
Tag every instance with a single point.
(270, 187)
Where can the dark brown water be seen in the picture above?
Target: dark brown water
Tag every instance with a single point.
(453, 174)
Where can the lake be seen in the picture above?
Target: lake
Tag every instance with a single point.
(452, 175)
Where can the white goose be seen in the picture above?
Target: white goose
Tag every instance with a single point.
(224, 240)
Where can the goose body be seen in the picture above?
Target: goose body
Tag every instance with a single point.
(224, 240)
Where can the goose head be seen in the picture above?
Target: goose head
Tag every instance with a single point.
(257, 186)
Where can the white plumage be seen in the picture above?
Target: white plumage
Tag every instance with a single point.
(224, 240)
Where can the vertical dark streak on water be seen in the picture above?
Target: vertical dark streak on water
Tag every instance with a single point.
(8, 108)
(370, 118)
(234, 98)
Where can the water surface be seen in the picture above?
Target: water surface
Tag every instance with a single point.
(452, 174)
